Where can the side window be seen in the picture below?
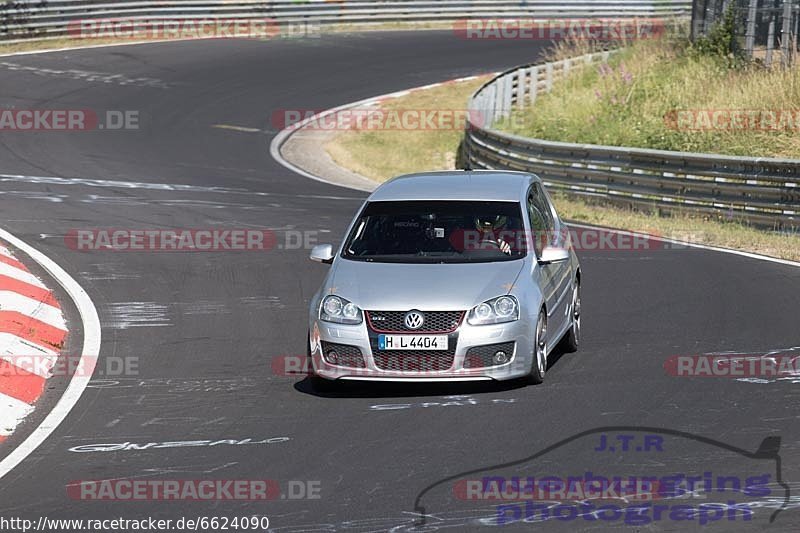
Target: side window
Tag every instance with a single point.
(538, 225)
(544, 206)
(541, 203)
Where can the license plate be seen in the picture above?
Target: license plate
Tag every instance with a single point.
(412, 342)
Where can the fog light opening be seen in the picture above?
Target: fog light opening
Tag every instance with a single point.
(500, 357)
(333, 357)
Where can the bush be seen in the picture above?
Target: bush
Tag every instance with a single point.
(721, 41)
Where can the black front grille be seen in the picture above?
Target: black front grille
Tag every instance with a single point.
(347, 355)
(483, 356)
(435, 321)
(414, 360)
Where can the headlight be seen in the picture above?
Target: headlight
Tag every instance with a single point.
(337, 309)
(495, 311)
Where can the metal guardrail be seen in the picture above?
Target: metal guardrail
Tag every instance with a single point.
(49, 19)
(765, 191)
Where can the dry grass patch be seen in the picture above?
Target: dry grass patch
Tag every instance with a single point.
(381, 154)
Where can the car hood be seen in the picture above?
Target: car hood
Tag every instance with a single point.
(441, 287)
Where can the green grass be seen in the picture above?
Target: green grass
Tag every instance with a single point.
(633, 100)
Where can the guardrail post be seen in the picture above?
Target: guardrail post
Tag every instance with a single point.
(508, 86)
(486, 109)
(498, 97)
(796, 18)
(491, 107)
(521, 88)
(750, 32)
(475, 107)
(785, 33)
(548, 80)
(534, 84)
(770, 39)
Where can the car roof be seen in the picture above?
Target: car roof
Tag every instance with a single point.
(488, 185)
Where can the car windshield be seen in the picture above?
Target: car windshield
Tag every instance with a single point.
(437, 232)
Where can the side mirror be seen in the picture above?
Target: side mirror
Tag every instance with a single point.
(551, 254)
(322, 253)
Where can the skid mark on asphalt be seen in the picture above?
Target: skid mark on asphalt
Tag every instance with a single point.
(236, 128)
(118, 184)
(262, 302)
(250, 303)
(87, 75)
(32, 195)
(790, 377)
(176, 202)
(762, 381)
(107, 272)
(203, 307)
(124, 315)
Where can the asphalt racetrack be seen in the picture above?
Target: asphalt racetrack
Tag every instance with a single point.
(206, 329)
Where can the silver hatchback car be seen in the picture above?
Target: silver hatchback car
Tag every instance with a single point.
(447, 276)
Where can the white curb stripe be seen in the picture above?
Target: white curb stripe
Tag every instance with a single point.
(11, 344)
(21, 275)
(26, 355)
(12, 411)
(14, 301)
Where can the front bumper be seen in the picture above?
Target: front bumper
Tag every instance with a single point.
(461, 368)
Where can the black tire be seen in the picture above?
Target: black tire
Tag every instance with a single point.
(573, 337)
(539, 365)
